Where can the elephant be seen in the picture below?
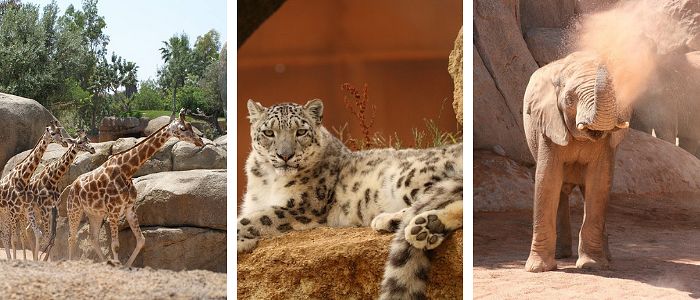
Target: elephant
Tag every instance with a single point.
(670, 105)
(573, 124)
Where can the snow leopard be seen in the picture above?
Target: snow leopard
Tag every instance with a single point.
(300, 176)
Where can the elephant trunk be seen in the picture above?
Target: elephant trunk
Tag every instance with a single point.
(598, 106)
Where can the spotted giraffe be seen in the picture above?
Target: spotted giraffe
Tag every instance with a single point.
(44, 192)
(301, 177)
(108, 191)
(13, 189)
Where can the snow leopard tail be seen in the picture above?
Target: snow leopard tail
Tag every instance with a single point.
(406, 271)
(424, 226)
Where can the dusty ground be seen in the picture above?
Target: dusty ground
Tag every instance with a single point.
(655, 244)
(86, 280)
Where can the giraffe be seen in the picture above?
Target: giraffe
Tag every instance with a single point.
(44, 192)
(13, 187)
(108, 192)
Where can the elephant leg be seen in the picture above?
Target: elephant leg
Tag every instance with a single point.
(593, 246)
(564, 223)
(548, 184)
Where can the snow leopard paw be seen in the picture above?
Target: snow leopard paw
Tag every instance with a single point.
(387, 222)
(425, 231)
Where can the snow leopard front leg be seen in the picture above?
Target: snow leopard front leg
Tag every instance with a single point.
(272, 222)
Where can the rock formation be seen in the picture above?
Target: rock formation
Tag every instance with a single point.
(23, 122)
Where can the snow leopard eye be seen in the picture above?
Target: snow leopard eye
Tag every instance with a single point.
(269, 133)
(301, 132)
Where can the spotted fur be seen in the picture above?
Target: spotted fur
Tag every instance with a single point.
(301, 177)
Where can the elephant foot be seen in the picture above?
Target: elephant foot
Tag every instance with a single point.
(563, 252)
(586, 262)
(535, 263)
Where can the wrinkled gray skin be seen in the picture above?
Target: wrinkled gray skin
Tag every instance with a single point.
(671, 104)
(573, 124)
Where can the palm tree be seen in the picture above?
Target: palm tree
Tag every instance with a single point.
(176, 54)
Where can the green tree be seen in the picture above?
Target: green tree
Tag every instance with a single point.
(205, 52)
(176, 53)
(149, 97)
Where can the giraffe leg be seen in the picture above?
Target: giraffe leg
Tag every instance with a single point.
(95, 224)
(114, 231)
(45, 222)
(13, 237)
(140, 239)
(75, 213)
(6, 237)
(37, 232)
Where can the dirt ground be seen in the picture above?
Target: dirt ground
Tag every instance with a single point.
(83, 279)
(654, 241)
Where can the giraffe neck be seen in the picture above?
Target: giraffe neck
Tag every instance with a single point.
(56, 170)
(132, 159)
(24, 170)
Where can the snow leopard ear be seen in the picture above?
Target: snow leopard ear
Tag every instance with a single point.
(255, 110)
(315, 109)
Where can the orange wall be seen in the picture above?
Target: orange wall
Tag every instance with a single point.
(309, 48)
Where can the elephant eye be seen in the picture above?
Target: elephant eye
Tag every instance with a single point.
(269, 133)
(301, 132)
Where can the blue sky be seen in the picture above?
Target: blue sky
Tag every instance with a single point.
(136, 28)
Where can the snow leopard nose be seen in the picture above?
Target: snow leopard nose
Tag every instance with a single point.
(285, 155)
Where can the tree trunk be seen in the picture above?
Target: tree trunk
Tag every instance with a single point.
(174, 98)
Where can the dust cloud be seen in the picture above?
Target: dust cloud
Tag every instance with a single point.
(632, 38)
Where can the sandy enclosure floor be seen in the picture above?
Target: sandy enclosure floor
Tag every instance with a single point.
(655, 246)
(87, 280)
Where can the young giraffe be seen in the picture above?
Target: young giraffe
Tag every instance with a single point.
(45, 194)
(13, 188)
(108, 191)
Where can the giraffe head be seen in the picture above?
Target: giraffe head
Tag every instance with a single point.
(53, 134)
(82, 143)
(183, 130)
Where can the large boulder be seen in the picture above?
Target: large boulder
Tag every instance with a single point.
(502, 68)
(182, 215)
(155, 124)
(23, 122)
(547, 44)
(194, 198)
(187, 156)
(161, 161)
(647, 165)
(547, 13)
(644, 165)
(173, 248)
(501, 184)
(455, 69)
(112, 128)
(337, 263)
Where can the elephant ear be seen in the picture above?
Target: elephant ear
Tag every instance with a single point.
(543, 107)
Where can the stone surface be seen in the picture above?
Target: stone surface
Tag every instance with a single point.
(337, 263)
(155, 124)
(494, 124)
(547, 13)
(502, 70)
(195, 198)
(455, 69)
(644, 166)
(547, 44)
(161, 161)
(176, 248)
(221, 141)
(23, 123)
(187, 156)
(112, 128)
(647, 165)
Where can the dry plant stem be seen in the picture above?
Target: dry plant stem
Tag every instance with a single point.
(358, 107)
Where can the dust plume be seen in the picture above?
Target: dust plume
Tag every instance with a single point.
(631, 38)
